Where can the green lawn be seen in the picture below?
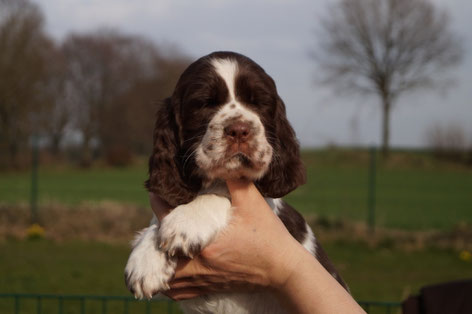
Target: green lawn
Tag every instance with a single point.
(74, 268)
(391, 275)
(414, 194)
(405, 197)
(95, 268)
(73, 185)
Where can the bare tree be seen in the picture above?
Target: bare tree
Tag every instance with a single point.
(142, 99)
(385, 48)
(22, 68)
(113, 81)
(101, 66)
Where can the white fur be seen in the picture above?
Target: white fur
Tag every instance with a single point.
(275, 203)
(194, 225)
(234, 303)
(227, 69)
(148, 269)
(310, 241)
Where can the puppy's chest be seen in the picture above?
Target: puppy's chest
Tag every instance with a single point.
(234, 303)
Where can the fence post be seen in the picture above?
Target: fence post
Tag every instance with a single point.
(371, 191)
(17, 304)
(34, 179)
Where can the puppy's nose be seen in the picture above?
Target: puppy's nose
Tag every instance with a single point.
(238, 131)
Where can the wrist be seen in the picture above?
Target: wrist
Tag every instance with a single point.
(287, 266)
(309, 288)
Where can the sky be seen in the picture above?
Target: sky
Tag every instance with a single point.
(278, 35)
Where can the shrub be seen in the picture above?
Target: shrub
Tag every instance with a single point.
(448, 143)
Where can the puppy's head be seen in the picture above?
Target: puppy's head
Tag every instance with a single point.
(224, 120)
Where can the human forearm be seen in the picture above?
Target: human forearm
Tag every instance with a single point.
(309, 288)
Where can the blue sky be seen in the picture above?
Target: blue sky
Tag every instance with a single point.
(278, 35)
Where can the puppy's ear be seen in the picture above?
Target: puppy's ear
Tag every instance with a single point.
(286, 170)
(165, 177)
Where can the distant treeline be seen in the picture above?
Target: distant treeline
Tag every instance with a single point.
(90, 96)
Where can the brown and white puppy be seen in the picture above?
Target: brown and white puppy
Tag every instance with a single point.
(224, 120)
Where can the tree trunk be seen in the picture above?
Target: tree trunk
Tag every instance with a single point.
(86, 157)
(13, 152)
(386, 106)
(55, 142)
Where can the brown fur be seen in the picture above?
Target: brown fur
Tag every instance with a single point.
(182, 120)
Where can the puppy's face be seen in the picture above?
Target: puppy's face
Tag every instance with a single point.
(235, 143)
(224, 120)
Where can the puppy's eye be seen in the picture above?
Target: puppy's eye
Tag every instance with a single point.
(211, 102)
(196, 103)
(253, 99)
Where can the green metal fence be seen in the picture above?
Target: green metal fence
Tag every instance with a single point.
(23, 303)
(373, 307)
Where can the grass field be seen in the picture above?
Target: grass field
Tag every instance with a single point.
(412, 190)
(96, 268)
(77, 268)
(72, 185)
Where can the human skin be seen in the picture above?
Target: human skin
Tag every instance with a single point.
(256, 251)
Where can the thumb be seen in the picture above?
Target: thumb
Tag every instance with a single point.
(242, 191)
(237, 186)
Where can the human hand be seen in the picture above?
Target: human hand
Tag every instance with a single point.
(251, 252)
(256, 251)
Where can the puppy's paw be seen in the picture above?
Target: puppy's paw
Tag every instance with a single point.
(148, 270)
(181, 235)
(190, 227)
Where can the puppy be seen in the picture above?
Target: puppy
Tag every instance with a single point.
(225, 120)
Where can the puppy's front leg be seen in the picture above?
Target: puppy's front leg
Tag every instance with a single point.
(148, 269)
(190, 227)
(187, 228)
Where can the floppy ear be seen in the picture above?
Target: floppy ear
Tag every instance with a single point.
(165, 177)
(286, 170)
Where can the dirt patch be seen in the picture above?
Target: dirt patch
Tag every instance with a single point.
(458, 238)
(103, 221)
(118, 223)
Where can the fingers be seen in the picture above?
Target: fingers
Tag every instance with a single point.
(190, 268)
(184, 293)
(188, 281)
(159, 206)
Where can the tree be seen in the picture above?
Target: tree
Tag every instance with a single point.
(101, 66)
(385, 48)
(140, 102)
(22, 68)
(113, 83)
(55, 115)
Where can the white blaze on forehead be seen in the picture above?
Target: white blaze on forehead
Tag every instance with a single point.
(227, 69)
